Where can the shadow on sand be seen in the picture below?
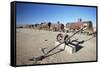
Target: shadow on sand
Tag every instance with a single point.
(77, 44)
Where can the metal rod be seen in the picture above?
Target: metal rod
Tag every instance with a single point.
(54, 53)
(88, 39)
(54, 48)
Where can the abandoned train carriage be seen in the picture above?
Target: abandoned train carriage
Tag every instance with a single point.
(52, 27)
(73, 26)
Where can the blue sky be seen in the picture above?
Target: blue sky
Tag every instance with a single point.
(37, 13)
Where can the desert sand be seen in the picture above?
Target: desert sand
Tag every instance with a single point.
(29, 42)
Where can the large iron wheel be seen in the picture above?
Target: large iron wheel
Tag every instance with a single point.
(60, 38)
(66, 40)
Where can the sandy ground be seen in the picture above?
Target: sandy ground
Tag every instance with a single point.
(29, 42)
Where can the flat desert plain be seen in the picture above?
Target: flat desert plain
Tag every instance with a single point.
(29, 42)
